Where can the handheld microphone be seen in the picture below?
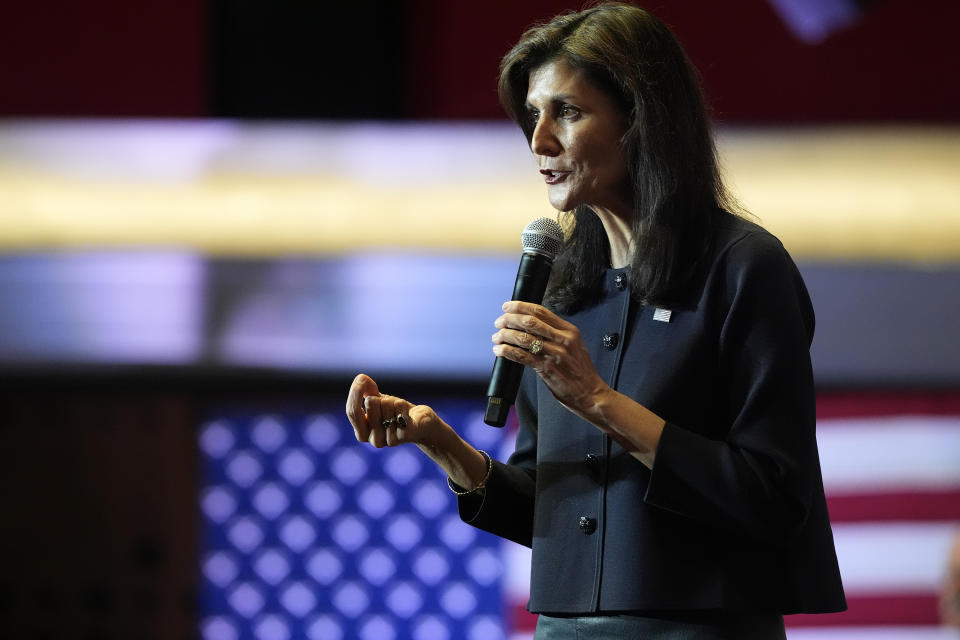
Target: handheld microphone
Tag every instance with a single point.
(542, 240)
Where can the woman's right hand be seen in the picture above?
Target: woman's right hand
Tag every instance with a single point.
(377, 417)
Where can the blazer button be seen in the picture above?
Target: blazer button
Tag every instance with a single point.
(610, 341)
(620, 281)
(587, 525)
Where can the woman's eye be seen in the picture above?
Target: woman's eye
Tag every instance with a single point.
(532, 117)
(569, 111)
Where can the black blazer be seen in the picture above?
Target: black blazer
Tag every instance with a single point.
(733, 514)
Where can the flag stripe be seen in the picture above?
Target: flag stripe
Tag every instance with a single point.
(523, 620)
(909, 506)
(890, 453)
(881, 403)
(891, 557)
(887, 609)
(868, 632)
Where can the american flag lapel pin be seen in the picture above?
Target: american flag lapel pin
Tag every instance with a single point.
(663, 315)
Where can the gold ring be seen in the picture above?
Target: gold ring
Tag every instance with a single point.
(536, 346)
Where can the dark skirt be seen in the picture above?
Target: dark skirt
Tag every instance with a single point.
(685, 627)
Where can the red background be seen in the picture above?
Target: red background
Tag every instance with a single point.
(152, 58)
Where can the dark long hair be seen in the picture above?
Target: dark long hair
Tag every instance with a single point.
(678, 195)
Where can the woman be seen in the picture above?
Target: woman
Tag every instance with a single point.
(666, 472)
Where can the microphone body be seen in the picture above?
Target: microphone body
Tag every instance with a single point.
(542, 240)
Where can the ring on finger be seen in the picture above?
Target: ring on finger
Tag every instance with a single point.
(401, 422)
(536, 346)
(386, 424)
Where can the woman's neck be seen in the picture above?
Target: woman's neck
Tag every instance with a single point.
(619, 235)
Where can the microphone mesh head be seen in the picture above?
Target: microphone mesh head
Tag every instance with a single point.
(543, 236)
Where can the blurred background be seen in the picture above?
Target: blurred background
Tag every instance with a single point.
(214, 214)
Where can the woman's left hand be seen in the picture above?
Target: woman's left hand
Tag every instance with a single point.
(538, 338)
(535, 336)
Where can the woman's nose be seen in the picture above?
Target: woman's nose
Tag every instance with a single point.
(544, 142)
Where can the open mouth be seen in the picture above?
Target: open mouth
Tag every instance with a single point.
(551, 176)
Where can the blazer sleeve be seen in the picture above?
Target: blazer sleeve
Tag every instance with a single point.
(506, 506)
(760, 478)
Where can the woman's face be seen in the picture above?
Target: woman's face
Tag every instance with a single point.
(576, 140)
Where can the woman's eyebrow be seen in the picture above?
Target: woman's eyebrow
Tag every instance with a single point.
(559, 97)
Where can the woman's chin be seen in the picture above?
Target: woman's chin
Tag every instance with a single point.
(562, 202)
